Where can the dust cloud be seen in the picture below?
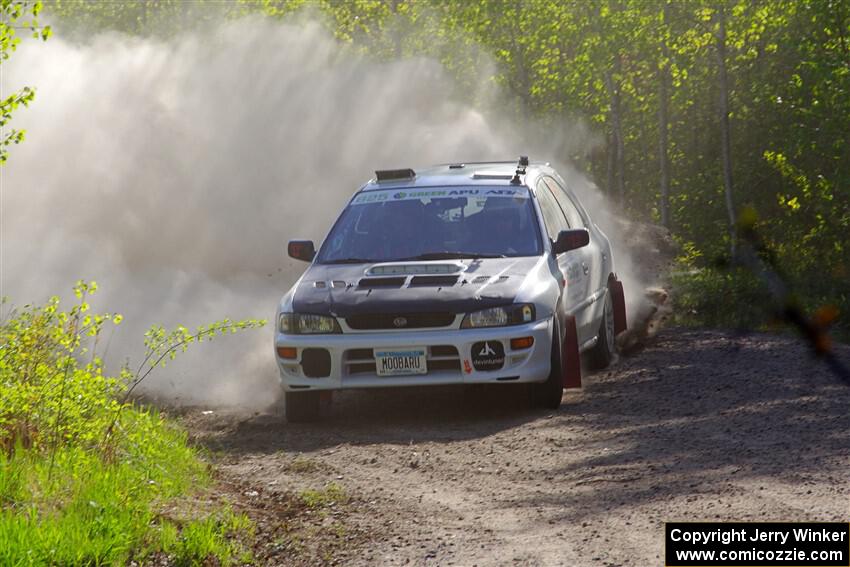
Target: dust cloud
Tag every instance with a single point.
(174, 172)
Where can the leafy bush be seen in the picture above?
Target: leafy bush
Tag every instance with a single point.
(719, 298)
(736, 298)
(83, 470)
(49, 393)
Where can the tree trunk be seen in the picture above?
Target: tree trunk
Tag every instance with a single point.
(611, 157)
(725, 144)
(618, 144)
(663, 123)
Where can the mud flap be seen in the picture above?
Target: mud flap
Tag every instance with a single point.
(570, 359)
(618, 298)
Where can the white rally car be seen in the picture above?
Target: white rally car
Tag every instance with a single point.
(456, 274)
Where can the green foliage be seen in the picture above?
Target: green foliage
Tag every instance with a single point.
(81, 18)
(720, 298)
(604, 61)
(82, 469)
(16, 15)
(736, 298)
(52, 387)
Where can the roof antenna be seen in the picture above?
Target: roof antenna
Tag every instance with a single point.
(520, 170)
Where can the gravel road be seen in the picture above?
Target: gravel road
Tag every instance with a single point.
(699, 426)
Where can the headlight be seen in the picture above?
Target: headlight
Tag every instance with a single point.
(499, 316)
(307, 324)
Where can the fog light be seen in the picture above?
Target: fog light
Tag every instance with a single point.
(316, 363)
(524, 342)
(287, 352)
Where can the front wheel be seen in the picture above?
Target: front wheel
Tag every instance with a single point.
(301, 406)
(605, 349)
(548, 394)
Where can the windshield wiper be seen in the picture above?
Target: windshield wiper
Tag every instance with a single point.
(452, 256)
(352, 261)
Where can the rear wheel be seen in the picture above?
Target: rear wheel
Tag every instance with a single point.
(301, 406)
(605, 349)
(548, 394)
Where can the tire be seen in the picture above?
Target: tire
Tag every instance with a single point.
(548, 394)
(605, 349)
(301, 406)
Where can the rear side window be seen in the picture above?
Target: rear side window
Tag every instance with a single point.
(553, 217)
(572, 213)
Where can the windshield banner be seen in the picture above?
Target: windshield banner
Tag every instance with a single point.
(438, 193)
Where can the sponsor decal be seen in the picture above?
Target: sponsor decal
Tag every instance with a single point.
(416, 194)
(400, 322)
(487, 350)
(488, 355)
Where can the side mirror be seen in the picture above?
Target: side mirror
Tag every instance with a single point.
(571, 240)
(301, 250)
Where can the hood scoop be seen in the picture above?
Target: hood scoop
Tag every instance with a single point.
(370, 283)
(419, 268)
(422, 281)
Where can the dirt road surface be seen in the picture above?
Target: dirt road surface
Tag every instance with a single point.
(698, 426)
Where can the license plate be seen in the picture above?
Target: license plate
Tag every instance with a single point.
(400, 362)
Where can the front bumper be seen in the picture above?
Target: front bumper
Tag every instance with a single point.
(449, 357)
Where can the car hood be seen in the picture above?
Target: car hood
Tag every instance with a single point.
(414, 287)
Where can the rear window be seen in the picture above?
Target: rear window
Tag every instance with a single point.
(429, 223)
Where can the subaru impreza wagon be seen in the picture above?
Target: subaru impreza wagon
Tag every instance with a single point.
(465, 273)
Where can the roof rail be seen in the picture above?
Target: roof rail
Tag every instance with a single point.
(394, 174)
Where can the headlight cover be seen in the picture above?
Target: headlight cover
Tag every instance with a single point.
(307, 324)
(499, 316)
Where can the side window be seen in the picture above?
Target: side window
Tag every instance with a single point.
(572, 213)
(552, 215)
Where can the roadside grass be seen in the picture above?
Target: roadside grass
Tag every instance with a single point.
(735, 298)
(303, 465)
(331, 495)
(82, 510)
(85, 474)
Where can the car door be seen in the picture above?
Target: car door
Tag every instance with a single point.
(569, 263)
(586, 317)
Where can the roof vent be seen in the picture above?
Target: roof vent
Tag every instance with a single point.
(394, 174)
(483, 174)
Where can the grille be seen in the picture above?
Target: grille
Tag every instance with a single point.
(373, 321)
(439, 358)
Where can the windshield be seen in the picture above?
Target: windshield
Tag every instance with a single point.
(433, 224)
